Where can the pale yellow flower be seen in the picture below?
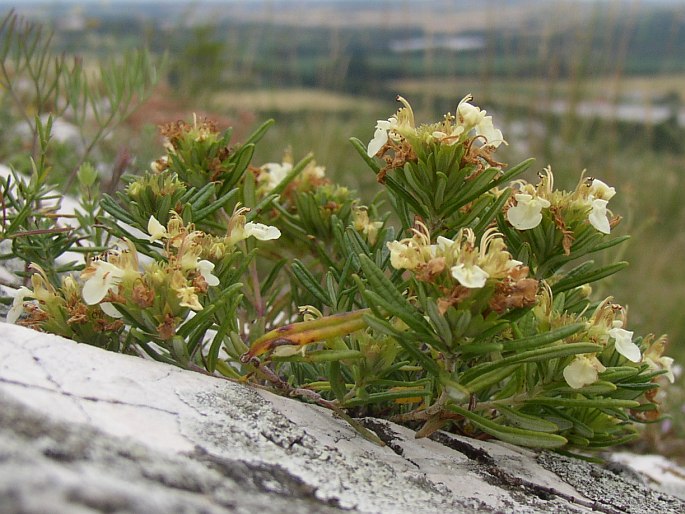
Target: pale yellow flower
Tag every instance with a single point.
(583, 371)
(471, 276)
(380, 136)
(18, 304)
(110, 310)
(657, 361)
(599, 189)
(273, 173)
(189, 298)
(261, 231)
(623, 342)
(100, 277)
(598, 215)
(527, 213)
(156, 229)
(362, 224)
(205, 268)
(404, 254)
(469, 114)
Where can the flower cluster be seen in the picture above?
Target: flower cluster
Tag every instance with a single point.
(197, 152)
(604, 327)
(271, 174)
(469, 122)
(160, 183)
(363, 225)
(459, 265)
(62, 311)
(116, 282)
(586, 204)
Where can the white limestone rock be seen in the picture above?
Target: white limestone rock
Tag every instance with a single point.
(84, 430)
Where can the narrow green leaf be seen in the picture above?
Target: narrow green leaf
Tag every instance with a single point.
(398, 190)
(609, 243)
(492, 212)
(213, 354)
(439, 195)
(598, 387)
(361, 150)
(481, 184)
(309, 282)
(274, 273)
(336, 380)
(385, 396)
(489, 378)
(536, 355)
(545, 338)
(383, 327)
(512, 173)
(378, 301)
(200, 214)
(439, 322)
(586, 403)
(355, 243)
(586, 278)
(200, 198)
(513, 435)
(479, 348)
(259, 133)
(393, 300)
(612, 441)
(527, 421)
(619, 373)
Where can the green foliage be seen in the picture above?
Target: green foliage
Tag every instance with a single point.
(468, 307)
(34, 82)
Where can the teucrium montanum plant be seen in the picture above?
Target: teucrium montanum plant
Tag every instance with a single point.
(473, 314)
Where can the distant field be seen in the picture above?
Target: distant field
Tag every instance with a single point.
(513, 90)
(291, 101)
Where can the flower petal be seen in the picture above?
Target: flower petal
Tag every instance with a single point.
(527, 213)
(580, 373)
(599, 189)
(261, 231)
(623, 342)
(667, 364)
(18, 304)
(155, 229)
(205, 268)
(598, 216)
(470, 114)
(110, 310)
(662, 363)
(275, 173)
(104, 277)
(471, 276)
(492, 135)
(380, 137)
(188, 298)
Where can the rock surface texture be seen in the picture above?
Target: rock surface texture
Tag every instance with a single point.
(84, 430)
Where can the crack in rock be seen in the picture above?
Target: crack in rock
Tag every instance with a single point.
(388, 436)
(472, 452)
(498, 476)
(262, 476)
(94, 399)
